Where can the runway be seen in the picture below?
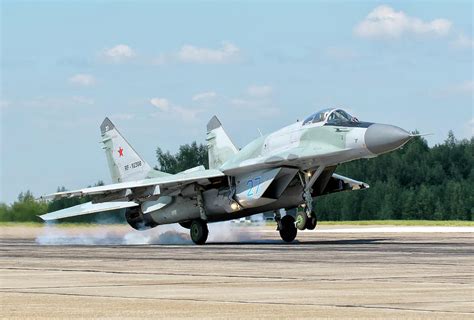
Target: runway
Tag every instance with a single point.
(384, 275)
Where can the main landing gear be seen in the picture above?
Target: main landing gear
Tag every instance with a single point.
(306, 219)
(286, 227)
(198, 228)
(199, 231)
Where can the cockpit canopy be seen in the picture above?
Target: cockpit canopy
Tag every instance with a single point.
(332, 116)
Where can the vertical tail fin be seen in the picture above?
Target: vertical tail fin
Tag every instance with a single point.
(220, 147)
(124, 162)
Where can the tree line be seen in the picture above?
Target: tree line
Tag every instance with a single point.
(415, 182)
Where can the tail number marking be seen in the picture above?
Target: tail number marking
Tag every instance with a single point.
(133, 165)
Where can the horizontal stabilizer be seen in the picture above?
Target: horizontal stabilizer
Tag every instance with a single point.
(170, 181)
(87, 208)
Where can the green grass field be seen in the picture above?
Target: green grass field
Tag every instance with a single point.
(449, 223)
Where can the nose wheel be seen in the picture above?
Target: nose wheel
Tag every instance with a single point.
(305, 220)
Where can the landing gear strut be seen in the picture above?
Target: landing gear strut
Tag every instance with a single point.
(307, 218)
(198, 228)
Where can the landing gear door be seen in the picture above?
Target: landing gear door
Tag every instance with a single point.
(263, 186)
(250, 187)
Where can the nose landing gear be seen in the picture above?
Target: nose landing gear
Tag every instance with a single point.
(305, 220)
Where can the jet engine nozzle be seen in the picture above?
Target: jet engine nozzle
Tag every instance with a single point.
(382, 138)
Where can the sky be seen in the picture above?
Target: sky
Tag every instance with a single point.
(161, 70)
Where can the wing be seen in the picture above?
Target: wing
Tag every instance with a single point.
(156, 185)
(87, 208)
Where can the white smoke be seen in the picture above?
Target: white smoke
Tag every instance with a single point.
(54, 234)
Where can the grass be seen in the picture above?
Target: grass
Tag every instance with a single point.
(444, 223)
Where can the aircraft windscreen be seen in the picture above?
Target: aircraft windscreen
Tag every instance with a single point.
(340, 116)
(317, 117)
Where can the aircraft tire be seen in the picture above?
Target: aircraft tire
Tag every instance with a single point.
(301, 220)
(312, 222)
(288, 230)
(199, 231)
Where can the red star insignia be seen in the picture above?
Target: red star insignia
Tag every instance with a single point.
(120, 151)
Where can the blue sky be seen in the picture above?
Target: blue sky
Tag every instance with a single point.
(161, 70)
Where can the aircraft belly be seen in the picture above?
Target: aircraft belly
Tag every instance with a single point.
(181, 209)
(291, 198)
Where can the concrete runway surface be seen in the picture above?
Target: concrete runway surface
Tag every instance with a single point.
(330, 274)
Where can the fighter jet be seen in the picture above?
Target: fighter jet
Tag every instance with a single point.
(285, 169)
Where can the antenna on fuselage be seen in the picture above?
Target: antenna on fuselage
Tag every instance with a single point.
(261, 135)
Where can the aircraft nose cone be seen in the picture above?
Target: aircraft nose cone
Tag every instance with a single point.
(381, 138)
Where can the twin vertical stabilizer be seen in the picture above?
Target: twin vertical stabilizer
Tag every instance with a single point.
(220, 147)
(124, 162)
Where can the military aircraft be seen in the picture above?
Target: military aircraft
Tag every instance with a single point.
(282, 170)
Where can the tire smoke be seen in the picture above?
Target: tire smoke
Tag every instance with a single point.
(174, 234)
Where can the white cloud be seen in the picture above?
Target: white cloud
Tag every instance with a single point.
(185, 113)
(161, 103)
(170, 109)
(82, 79)
(258, 99)
(191, 54)
(204, 96)
(385, 22)
(465, 87)
(238, 102)
(260, 91)
(119, 53)
(463, 41)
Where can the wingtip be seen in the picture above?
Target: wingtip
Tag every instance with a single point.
(43, 217)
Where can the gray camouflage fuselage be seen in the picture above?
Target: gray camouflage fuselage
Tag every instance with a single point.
(292, 149)
(283, 169)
